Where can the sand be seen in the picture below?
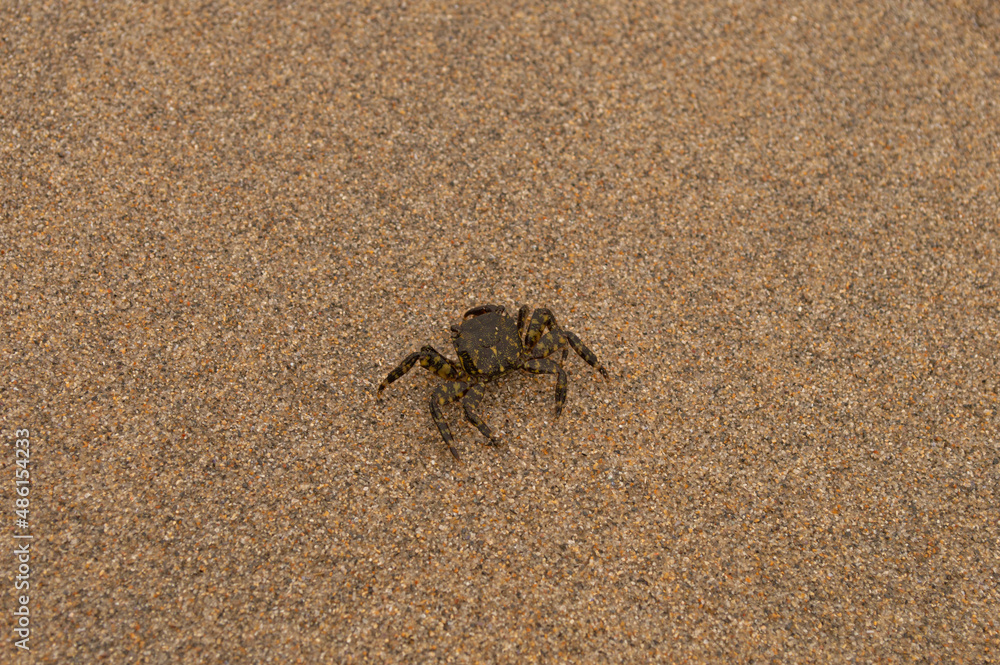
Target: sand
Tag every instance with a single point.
(221, 226)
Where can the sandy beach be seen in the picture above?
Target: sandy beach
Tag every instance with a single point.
(775, 224)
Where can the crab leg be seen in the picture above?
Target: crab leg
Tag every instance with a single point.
(470, 403)
(522, 318)
(442, 395)
(549, 366)
(428, 358)
(541, 319)
(556, 338)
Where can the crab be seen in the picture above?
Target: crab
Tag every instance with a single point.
(489, 344)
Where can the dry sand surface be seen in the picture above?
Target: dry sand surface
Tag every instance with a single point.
(776, 224)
